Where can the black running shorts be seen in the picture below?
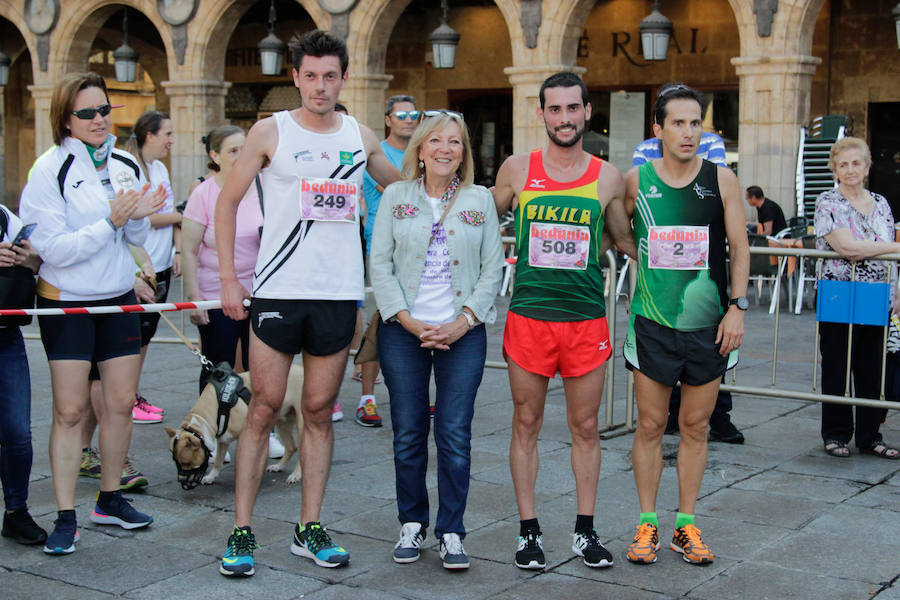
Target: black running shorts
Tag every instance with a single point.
(90, 337)
(668, 355)
(320, 327)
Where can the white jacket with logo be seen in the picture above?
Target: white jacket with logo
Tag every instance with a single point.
(84, 257)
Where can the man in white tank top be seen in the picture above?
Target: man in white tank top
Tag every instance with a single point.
(307, 280)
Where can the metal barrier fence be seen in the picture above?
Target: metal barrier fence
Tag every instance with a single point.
(609, 427)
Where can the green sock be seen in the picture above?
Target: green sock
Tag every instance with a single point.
(650, 518)
(682, 519)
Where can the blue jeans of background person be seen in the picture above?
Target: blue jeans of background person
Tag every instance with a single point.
(15, 419)
(457, 374)
(219, 339)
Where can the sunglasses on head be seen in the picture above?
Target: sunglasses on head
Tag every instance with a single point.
(442, 111)
(412, 115)
(672, 89)
(86, 114)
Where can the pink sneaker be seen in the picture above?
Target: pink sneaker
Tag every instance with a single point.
(337, 414)
(140, 415)
(145, 404)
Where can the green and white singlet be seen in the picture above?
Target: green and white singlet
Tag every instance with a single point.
(680, 234)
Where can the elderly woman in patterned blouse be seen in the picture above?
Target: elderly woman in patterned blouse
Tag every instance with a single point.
(858, 225)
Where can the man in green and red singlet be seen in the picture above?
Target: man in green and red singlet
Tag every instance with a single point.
(563, 199)
(684, 325)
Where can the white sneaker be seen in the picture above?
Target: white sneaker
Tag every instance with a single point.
(452, 552)
(337, 414)
(411, 538)
(276, 448)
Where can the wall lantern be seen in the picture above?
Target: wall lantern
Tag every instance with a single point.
(656, 30)
(4, 69)
(271, 48)
(444, 41)
(896, 14)
(125, 57)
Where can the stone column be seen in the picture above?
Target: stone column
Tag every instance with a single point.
(43, 135)
(774, 104)
(528, 131)
(195, 107)
(364, 97)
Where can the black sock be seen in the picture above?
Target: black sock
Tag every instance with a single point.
(527, 525)
(66, 515)
(584, 523)
(104, 498)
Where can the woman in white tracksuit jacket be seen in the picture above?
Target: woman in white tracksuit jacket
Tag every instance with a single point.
(89, 203)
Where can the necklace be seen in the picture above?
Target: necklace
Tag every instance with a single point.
(448, 194)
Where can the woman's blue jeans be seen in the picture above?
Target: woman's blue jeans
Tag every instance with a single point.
(15, 419)
(457, 374)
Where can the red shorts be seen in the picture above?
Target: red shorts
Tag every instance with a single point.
(574, 348)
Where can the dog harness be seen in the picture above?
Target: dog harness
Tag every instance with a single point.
(229, 387)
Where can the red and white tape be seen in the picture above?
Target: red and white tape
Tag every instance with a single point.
(106, 310)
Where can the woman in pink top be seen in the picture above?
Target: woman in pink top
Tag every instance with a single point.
(219, 335)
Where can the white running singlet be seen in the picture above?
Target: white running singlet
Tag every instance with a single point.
(306, 259)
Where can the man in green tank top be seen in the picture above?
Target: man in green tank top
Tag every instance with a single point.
(684, 324)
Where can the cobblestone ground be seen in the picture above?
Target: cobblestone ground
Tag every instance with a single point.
(785, 520)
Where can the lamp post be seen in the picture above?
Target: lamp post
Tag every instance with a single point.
(444, 41)
(896, 15)
(125, 57)
(655, 32)
(4, 69)
(271, 48)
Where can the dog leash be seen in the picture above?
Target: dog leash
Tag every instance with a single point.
(207, 364)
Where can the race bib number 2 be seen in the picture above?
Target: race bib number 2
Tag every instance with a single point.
(679, 247)
(553, 246)
(329, 200)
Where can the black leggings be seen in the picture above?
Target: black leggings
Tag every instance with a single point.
(865, 366)
(219, 341)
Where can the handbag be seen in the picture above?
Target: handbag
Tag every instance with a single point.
(16, 286)
(368, 350)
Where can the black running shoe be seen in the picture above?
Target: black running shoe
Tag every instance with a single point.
(723, 430)
(19, 526)
(587, 545)
(530, 553)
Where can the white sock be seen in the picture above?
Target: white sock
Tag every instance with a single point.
(364, 399)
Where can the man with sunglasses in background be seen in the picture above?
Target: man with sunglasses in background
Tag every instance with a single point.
(684, 325)
(401, 119)
(562, 198)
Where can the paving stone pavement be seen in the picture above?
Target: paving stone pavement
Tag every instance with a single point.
(785, 520)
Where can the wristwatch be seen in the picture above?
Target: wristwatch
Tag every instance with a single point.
(741, 302)
(469, 318)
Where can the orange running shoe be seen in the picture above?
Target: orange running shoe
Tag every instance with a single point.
(686, 540)
(645, 545)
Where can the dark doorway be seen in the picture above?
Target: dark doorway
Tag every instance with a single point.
(488, 114)
(884, 131)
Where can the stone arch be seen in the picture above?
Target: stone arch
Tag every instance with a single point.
(371, 24)
(73, 37)
(560, 29)
(212, 29)
(16, 107)
(12, 12)
(797, 17)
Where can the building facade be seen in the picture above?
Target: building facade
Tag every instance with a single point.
(765, 66)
